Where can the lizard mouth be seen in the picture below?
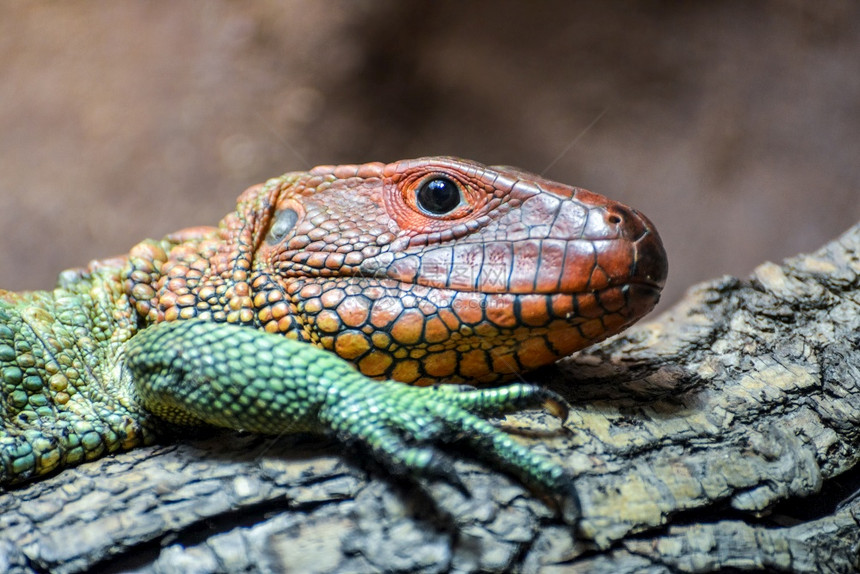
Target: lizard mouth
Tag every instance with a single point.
(617, 265)
(586, 248)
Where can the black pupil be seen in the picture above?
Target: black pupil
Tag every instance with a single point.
(438, 196)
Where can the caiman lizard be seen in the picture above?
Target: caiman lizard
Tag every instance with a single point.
(420, 271)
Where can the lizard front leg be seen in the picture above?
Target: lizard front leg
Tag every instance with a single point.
(198, 372)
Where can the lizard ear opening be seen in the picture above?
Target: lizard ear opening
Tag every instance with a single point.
(282, 224)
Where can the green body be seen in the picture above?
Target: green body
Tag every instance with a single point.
(66, 397)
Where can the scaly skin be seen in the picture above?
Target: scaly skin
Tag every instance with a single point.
(484, 273)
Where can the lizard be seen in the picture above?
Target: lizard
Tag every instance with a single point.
(331, 301)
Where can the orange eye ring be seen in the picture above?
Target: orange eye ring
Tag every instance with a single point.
(440, 195)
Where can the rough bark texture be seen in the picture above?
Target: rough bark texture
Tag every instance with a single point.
(721, 436)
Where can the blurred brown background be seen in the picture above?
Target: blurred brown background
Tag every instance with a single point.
(734, 125)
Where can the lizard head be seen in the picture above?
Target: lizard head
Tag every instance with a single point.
(435, 269)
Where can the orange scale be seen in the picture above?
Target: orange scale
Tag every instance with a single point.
(187, 300)
(264, 315)
(380, 340)
(564, 338)
(612, 300)
(587, 306)
(374, 292)
(598, 279)
(148, 252)
(427, 307)
(316, 234)
(177, 284)
(375, 364)
(152, 315)
(501, 311)
(486, 330)
(533, 310)
(167, 299)
(351, 344)
(534, 353)
(332, 298)
(354, 311)
(435, 330)
(616, 262)
(310, 290)
(592, 329)
(353, 258)
(578, 267)
(142, 292)
(504, 364)
(522, 333)
(334, 261)
(414, 352)
(614, 321)
(442, 364)
(237, 303)
(243, 265)
(139, 276)
(406, 371)
(408, 328)
(316, 259)
(284, 325)
(449, 318)
(260, 282)
(328, 321)
(473, 364)
(280, 310)
(383, 314)
(468, 308)
(194, 274)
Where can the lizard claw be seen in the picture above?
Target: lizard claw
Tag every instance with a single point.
(402, 425)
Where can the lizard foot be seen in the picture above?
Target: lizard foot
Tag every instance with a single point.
(404, 425)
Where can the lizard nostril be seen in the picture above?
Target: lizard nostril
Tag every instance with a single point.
(618, 215)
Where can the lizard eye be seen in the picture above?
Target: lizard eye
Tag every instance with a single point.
(438, 196)
(284, 221)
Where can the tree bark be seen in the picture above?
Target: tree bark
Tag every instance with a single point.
(721, 436)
